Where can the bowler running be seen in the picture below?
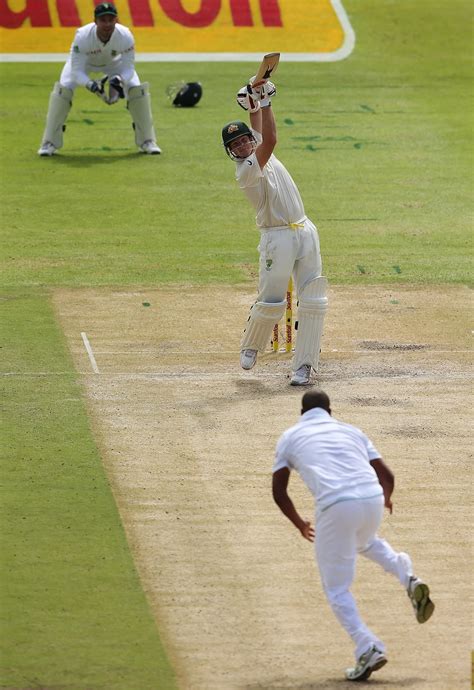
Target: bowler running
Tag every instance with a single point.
(351, 484)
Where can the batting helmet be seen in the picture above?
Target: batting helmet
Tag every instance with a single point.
(234, 130)
(185, 95)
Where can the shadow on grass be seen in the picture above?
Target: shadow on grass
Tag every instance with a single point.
(105, 157)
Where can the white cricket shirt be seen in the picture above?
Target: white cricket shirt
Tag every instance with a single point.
(332, 458)
(271, 191)
(88, 53)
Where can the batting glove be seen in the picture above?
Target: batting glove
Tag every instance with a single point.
(97, 87)
(248, 99)
(266, 91)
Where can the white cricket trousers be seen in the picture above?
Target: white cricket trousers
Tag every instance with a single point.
(344, 530)
(286, 252)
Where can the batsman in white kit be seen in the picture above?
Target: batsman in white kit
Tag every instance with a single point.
(106, 47)
(351, 484)
(289, 243)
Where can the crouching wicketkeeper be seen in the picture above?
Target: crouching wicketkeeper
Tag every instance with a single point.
(108, 47)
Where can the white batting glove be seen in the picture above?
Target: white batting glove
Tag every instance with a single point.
(248, 99)
(266, 91)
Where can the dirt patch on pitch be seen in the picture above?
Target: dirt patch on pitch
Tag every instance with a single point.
(187, 440)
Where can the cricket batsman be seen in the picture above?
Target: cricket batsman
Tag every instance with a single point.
(106, 47)
(289, 242)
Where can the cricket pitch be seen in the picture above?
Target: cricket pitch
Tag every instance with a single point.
(187, 440)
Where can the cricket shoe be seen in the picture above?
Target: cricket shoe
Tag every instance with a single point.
(47, 149)
(248, 358)
(419, 595)
(151, 147)
(367, 663)
(302, 376)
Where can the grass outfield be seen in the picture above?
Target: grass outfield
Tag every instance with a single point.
(74, 614)
(380, 146)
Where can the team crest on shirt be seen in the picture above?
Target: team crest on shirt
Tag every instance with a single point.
(268, 264)
(113, 53)
(76, 49)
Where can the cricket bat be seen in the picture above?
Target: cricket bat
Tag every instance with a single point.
(268, 66)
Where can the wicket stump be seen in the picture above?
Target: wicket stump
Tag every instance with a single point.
(288, 323)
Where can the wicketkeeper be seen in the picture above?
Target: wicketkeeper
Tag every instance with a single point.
(289, 243)
(106, 47)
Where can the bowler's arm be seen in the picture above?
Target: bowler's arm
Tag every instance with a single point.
(386, 480)
(280, 496)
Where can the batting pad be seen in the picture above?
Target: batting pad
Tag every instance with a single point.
(60, 102)
(139, 106)
(312, 307)
(263, 316)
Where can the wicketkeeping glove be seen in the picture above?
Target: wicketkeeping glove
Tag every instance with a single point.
(248, 99)
(116, 89)
(98, 87)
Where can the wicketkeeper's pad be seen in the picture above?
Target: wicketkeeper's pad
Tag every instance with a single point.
(60, 102)
(312, 307)
(263, 316)
(139, 106)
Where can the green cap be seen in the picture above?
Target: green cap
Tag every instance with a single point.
(105, 8)
(234, 130)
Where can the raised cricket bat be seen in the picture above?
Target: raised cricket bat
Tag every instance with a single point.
(266, 69)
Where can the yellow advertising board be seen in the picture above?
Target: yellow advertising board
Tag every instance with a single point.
(187, 29)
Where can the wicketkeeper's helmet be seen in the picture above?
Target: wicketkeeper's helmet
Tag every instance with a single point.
(234, 130)
(185, 95)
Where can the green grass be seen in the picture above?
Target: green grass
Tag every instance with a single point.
(380, 145)
(381, 148)
(73, 611)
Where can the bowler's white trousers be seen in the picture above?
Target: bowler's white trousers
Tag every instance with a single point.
(344, 530)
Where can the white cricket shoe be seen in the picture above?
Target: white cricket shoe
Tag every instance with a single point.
(419, 595)
(151, 147)
(47, 149)
(248, 358)
(367, 663)
(302, 376)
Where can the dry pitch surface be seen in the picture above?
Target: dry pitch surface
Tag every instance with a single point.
(187, 440)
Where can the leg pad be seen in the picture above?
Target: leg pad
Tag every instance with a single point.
(312, 308)
(263, 316)
(60, 102)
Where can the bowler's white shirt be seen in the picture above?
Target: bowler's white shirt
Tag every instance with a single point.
(271, 191)
(89, 54)
(332, 458)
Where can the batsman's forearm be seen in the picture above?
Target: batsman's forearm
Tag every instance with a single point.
(256, 121)
(269, 132)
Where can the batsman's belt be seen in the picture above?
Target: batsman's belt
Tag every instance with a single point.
(291, 226)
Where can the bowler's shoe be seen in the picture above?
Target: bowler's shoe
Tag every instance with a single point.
(367, 663)
(419, 595)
